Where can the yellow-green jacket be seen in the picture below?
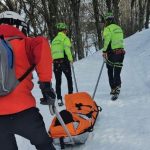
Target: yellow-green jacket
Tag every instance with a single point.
(113, 37)
(60, 46)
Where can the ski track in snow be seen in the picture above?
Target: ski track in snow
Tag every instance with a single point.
(122, 124)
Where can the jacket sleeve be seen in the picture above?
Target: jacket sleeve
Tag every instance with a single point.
(107, 38)
(41, 53)
(67, 48)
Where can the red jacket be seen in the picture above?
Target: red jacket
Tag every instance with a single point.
(26, 51)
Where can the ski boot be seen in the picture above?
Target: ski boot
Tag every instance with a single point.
(115, 93)
(112, 92)
(118, 88)
(60, 102)
(115, 90)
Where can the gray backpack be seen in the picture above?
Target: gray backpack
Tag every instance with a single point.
(8, 79)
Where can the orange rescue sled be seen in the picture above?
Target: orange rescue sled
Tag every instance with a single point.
(79, 117)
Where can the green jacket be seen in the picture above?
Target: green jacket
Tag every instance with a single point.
(61, 45)
(113, 37)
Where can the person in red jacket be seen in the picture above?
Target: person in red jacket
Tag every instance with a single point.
(18, 111)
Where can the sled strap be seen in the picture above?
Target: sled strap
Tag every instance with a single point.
(89, 115)
(90, 129)
(62, 144)
(79, 105)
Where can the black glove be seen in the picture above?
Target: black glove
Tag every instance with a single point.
(48, 93)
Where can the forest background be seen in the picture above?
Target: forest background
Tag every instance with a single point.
(84, 18)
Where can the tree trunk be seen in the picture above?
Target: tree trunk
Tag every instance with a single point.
(75, 6)
(97, 22)
(116, 10)
(50, 15)
(147, 14)
(109, 3)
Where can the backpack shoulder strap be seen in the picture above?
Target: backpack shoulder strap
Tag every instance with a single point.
(26, 73)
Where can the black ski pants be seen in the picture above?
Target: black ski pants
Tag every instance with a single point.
(60, 66)
(28, 124)
(114, 71)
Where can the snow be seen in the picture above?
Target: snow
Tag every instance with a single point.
(123, 124)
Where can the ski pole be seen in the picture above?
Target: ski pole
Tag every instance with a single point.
(53, 110)
(100, 73)
(74, 77)
(63, 125)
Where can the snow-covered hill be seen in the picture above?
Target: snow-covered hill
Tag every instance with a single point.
(123, 124)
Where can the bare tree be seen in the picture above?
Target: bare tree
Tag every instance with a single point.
(116, 9)
(75, 7)
(109, 5)
(97, 22)
(142, 5)
(84, 23)
(50, 13)
(147, 14)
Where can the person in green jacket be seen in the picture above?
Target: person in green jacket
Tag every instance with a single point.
(62, 57)
(113, 52)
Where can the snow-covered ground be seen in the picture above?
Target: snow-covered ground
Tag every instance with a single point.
(123, 124)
